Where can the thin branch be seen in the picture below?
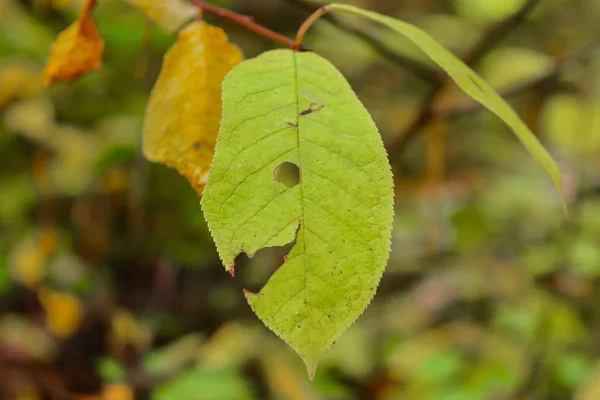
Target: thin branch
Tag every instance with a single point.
(418, 68)
(248, 23)
(428, 111)
(395, 146)
(318, 13)
(498, 32)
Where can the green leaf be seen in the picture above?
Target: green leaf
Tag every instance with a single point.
(111, 370)
(288, 107)
(113, 156)
(5, 277)
(573, 370)
(473, 84)
(199, 384)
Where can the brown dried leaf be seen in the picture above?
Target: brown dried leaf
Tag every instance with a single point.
(184, 113)
(77, 50)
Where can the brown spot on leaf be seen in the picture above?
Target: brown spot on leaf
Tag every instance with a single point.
(313, 107)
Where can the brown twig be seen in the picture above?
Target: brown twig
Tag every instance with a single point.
(318, 13)
(395, 145)
(428, 111)
(418, 68)
(498, 32)
(248, 23)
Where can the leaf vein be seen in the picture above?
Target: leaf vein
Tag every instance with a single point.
(344, 222)
(256, 214)
(246, 148)
(237, 186)
(360, 167)
(337, 185)
(267, 90)
(266, 114)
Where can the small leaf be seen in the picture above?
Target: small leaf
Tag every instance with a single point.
(61, 3)
(27, 338)
(472, 84)
(126, 330)
(174, 356)
(117, 391)
(183, 116)
(18, 80)
(573, 126)
(508, 67)
(27, 261)
(111, 370)
(170, 15)
(63, 312)
(485, 11)
(77, 50)
(590, 390)
(202, 384)
(288, 107)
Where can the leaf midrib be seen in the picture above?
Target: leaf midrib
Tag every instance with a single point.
(303, 221)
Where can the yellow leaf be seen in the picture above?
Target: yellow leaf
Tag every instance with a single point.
(170, 15)
(573, 125)
(77, 50)
(22, 334)
(285, 380)
(61, 3)
(27, 393)
(126, 330)
(28, 259)
(63, 312)
(32, 118)
(18, 79)
(184, 113)
(28, 266)
(590, 390)
(231, 343)
(117, 391)
(71, 170)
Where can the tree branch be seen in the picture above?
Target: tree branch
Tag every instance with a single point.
(248, 23)
(498, 32)
(418, 68)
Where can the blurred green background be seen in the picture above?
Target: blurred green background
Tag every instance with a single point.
(110, 286)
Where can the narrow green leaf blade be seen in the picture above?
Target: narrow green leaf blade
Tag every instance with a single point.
(473, 84)
(296, 107)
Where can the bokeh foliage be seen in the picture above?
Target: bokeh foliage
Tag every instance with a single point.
(109, 281)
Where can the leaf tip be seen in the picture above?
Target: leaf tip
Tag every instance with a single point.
(557, 182)
(311, 366)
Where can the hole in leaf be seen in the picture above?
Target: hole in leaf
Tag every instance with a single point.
(288, 173)
(253, 273)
